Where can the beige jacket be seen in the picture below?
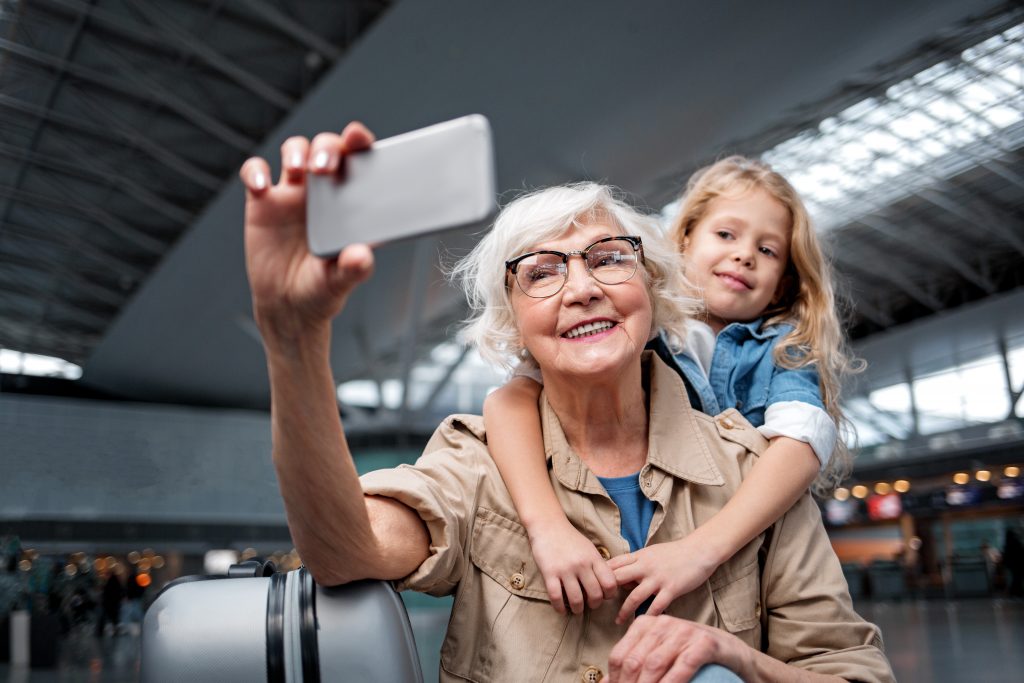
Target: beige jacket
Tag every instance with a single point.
(502, 627)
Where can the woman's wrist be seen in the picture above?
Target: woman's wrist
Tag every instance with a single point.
(288, 337)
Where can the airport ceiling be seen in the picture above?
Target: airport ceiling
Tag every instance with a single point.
(123, 123)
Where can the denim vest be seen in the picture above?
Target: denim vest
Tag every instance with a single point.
(743, 374)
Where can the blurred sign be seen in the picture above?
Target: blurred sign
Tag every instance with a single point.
(960, 496)
(1010, 490)
(840, 512)
(885, 506)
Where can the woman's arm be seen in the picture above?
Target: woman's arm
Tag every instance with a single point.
(340, 535)
(667, 570)
(566, 559)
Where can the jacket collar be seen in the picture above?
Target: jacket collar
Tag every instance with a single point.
(675, 443)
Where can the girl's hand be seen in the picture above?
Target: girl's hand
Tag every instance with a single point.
(664, 570)
(294, 291)
(573, 571)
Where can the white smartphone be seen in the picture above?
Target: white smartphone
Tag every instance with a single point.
(412, 184)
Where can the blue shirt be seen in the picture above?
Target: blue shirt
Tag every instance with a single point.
(743, 374)
(635, 514)
(635, 509)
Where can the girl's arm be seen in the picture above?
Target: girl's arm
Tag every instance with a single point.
(668, 570)
(566, 559)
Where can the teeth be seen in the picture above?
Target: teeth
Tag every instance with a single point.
(588, 329)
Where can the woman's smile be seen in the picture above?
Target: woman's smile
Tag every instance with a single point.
(590, 330)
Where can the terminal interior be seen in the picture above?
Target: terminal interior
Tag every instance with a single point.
(134, 400)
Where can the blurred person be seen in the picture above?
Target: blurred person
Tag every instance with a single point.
(110, 603)
(1013, 563)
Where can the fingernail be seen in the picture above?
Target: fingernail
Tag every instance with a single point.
(259, 180)
(320, 161)
(296, 160)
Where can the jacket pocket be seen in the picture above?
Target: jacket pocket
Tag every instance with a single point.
(502, 625)
(736, 590)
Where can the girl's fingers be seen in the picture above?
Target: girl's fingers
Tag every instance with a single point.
(631, 573)
(593, 589)
(633, 602)
(554, 588)
(294, 152)
(620, 561)
(660, 603)
(255, 175)
(574, 596)
(606, 577)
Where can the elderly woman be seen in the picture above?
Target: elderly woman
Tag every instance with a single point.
(579, 282)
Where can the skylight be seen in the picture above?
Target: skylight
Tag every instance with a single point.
(927, 128)
(18, 363)
(948, 118)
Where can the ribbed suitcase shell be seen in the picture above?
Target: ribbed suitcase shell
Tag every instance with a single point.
(218, 631)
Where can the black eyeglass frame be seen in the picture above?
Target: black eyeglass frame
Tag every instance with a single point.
(512, 266)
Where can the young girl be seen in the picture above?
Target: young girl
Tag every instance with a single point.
(770, 346)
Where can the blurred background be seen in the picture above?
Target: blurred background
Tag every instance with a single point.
(134, 425)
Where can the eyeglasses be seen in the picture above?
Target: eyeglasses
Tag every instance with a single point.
(611, 261)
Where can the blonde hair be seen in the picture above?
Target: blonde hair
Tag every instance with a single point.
(545, 215)
(807, 300)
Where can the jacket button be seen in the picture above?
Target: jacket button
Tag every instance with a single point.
(592, 675)
(727, 423)
(603, 552)
(739, 405)
(517, 581)
(757, 610)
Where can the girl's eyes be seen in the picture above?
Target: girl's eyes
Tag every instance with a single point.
(726, 235)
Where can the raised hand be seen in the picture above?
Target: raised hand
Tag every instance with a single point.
(295, 292)
(664, 570)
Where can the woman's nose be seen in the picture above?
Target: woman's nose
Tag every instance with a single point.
(580, 284)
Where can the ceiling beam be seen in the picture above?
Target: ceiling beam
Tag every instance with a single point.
(48, 94)
(58, 271)
(184, 40)
(118, 133)
(449, 372)
(101, 218)
(27, 337)
(282, 23)
(868, 269)
(138, 87)
(873, 313)
(73, 241)
(885, 227)
(172, 39)
(92, 173)
(14, 288)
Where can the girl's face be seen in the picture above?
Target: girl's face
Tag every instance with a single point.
(738, 254)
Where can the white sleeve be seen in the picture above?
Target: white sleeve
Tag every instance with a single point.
(802, 422)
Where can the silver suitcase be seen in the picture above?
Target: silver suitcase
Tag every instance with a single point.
(258, 625)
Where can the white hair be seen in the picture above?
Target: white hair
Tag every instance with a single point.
(548, 214)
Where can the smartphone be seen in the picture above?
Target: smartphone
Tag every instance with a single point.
(412, 184)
